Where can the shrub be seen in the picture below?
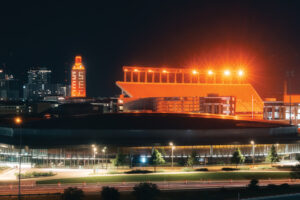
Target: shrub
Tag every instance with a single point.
(35, 174)
(187, 169)
(253, 185)
(284, 186)
(229, 169)
(110, 193)
(138, 171)
(146, 191)
(272, 187)
(202, 169)
(73, 194)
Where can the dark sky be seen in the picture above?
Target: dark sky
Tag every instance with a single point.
(263, 36)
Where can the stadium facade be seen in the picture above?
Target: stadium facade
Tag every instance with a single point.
(149, 82)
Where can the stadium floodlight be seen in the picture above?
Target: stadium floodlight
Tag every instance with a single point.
(241, 72)
(150, 70)
(135, 70)
(210, 72)
(226, 72)
(195, 72)
(165, 71)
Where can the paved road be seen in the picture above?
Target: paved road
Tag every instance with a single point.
(31, 188)
(278, 197)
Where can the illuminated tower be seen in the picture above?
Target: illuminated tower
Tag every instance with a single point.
(78, 81)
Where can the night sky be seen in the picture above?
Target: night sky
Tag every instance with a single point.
(262, 36)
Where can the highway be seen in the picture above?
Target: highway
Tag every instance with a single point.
(32, 188)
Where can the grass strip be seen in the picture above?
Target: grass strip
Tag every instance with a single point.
(173, 177)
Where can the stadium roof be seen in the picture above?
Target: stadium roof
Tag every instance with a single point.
(146, 129)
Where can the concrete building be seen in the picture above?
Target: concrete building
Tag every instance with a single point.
(68, 141)
(212, 104)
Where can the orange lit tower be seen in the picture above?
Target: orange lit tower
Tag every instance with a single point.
(78, 79)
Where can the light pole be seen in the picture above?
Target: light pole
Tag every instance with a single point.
(94, 148)
(253, 151)
(18, 122)
(104, 150)
(172, 148)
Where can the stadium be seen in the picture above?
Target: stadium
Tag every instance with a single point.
(210, 112)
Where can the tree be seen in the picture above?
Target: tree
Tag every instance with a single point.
(110, 193)
(192, 160)
(120, 160)
(237, 157)
(156, 159)
(73, 194)
(181, 161)
(272, 155)
(253, 185)
(146, 191)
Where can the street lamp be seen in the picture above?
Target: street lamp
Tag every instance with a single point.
(253, 150)
(94, 148)
(18, 122)
(172, 148)
(104, 150)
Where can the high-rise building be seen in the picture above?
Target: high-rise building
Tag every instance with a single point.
(38, 85)
(9, 87)
(78, 79)
(39, 76)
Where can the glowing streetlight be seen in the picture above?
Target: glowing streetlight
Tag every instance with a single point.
(18, 122)
(253, 150)
(94, 149)
(172, 148)
(104, 151)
